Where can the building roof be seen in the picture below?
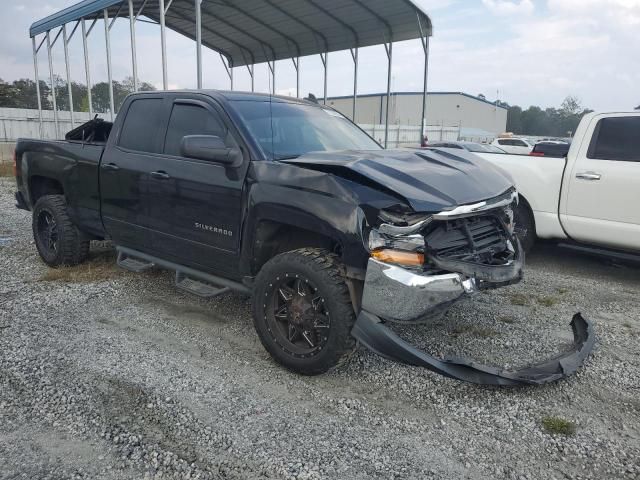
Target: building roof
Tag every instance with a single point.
(365, 95)
(255, 31)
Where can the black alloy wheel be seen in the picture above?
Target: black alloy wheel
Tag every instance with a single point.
(299, 320)
(47, 232)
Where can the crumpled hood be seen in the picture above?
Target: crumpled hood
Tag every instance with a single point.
(429, 180)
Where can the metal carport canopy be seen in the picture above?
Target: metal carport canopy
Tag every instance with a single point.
(248, 31)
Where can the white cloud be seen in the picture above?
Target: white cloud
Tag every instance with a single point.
(508, 7)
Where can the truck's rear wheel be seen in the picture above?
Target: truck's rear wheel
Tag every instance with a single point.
(57, 239)
(302, 311)
(524, 226)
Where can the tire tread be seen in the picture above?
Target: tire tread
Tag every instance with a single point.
(74, 248)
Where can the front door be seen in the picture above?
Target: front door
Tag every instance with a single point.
(195, 206)
(601, 202)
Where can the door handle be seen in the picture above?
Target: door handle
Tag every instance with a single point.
(110, 166)
(588, 176)
(160, 175)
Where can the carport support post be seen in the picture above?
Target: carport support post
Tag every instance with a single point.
(425, 46)
(272, 69)
(424, 39)
(53, 86)
(354, 55)
(389, 49)
(273, 76)
(108, 48)
(35, 70)
(132, 32)
(65, 41)
(163, 46)
(86, 65)
(198, 41)
(227, 66)
(296, 65)
(325, 60)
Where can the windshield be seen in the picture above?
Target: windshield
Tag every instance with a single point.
(476, 147)
(482, 148)
(288, 130)
(494, 149)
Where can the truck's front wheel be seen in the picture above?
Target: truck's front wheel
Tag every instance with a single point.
(58, 240)
(302, 311)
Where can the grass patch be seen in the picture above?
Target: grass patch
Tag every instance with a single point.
(547, 301)
(558, 426)
(519, 299)
(562, 291)
(6, 169)
(97, 270)
(507, 319)
(482, 332)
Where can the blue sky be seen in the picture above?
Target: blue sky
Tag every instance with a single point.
(523, 51)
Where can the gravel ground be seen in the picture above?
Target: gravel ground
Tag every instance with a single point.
(122, 376)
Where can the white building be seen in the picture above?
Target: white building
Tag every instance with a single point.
(475, 118)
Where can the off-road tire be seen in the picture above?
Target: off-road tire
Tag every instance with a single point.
(72, 245)
(323, 269)
(525, 228)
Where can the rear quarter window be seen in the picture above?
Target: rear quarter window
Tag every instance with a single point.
(141, 125)
(616, 138)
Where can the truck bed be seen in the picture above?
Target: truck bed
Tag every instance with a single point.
(51, 166)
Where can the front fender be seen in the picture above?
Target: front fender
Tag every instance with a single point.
(311, 200)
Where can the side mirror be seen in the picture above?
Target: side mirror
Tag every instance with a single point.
(208, 147)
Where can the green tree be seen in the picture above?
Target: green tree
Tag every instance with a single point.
(553, 122)
(514, 119)
(22, 94)
(100, 93)
(570, 106)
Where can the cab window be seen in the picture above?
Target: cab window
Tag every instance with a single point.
(190, 119)
(616, 138)
(141, 125)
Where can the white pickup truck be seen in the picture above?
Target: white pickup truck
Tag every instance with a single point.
(591, 197)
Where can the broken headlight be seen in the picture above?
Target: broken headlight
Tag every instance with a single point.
(399, 244)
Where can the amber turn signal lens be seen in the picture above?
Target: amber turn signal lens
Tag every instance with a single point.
(399, 257)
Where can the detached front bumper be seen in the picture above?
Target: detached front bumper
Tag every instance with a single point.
(392, 293)
(371, 332)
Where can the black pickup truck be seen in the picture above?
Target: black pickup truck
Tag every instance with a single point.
(289, 202)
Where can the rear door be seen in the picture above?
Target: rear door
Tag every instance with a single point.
(124, 171)
(601, 202)
(195, 206)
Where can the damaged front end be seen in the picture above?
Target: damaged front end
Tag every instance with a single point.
(421, 265)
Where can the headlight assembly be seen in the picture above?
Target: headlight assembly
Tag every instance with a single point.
(400, 249)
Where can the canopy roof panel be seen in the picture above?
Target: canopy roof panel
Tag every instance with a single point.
(256, 31)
